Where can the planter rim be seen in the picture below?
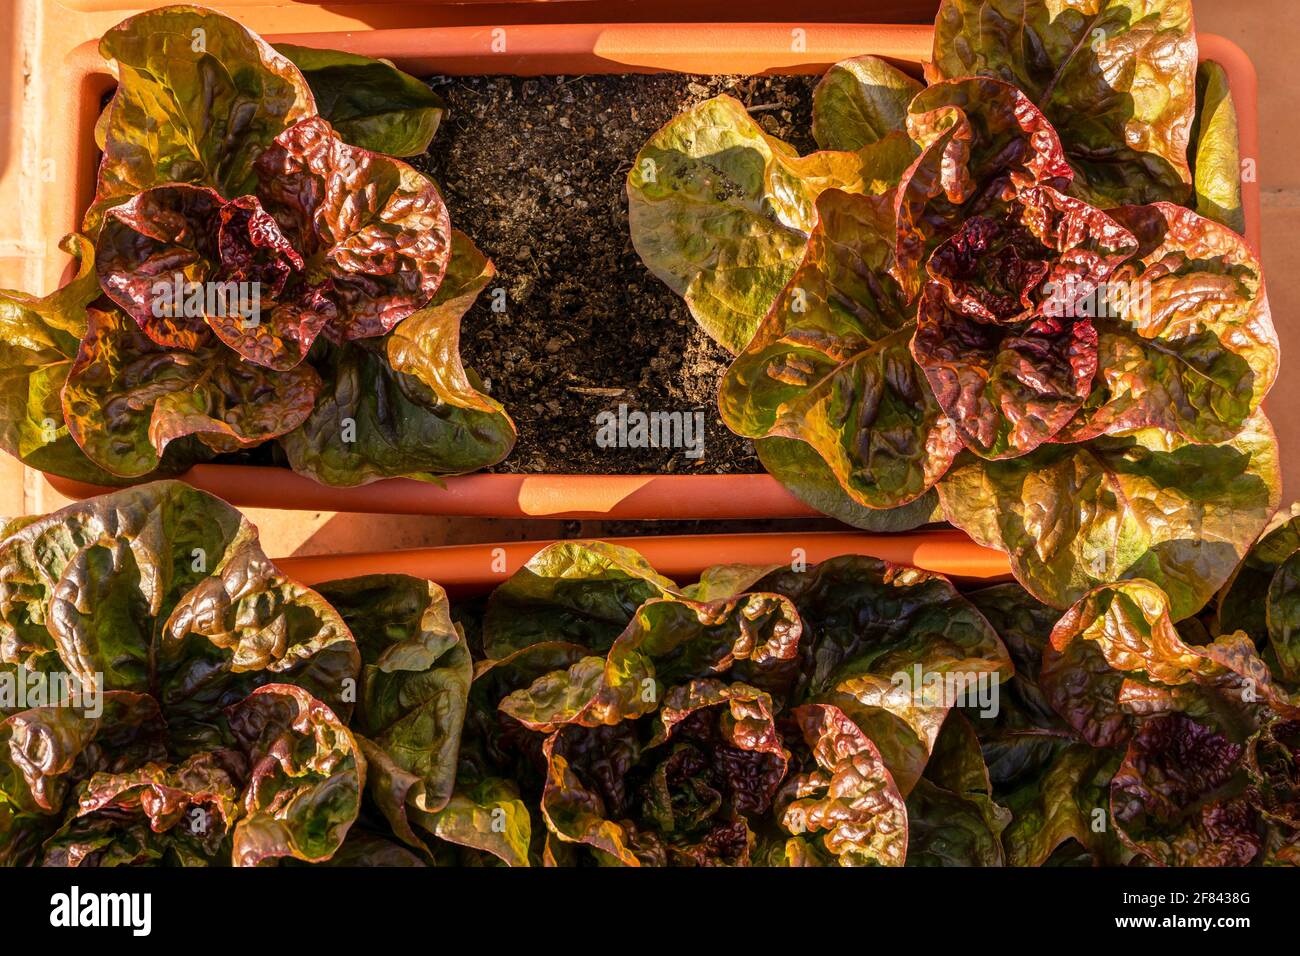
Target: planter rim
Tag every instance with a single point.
(533, 49)
(471, 569)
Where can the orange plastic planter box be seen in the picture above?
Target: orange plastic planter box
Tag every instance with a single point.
(473, 569)
(533, 49)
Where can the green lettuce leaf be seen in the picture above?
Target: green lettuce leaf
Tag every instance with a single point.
(371, 103)
(408, 405)
(1216, 160)
(415, 678)
(1243, 602)
(952, 818)
(1022, 738)
(806, 475)
(860, 101)
(720, 211)
(1070, 801)
(38, 342)
(372, 422)
(579, 592)
(489, 816)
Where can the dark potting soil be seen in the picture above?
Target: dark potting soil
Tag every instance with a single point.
(534, 170)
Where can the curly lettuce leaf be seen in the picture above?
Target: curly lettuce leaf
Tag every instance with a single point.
(830, 366)
(1116, 657)
(1189, 346)
(847, 797)
(189, 809)
(243, 626)
(887, 643)
(997, 335)
(1179, 797)
(1272, 761)
(166, 589)
(586, 798)
(982, 142)
(199, 98)
(374, 265)
(1072, 517)
(96, 580)
(1117, 78)
(685, 796)
(126, 399)
(305, 777)
(752, 637)
(47, 751)
(313, 260)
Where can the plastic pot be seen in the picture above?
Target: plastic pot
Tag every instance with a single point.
(80, 81)
(472, 569)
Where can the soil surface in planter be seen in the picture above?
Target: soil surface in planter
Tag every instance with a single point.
(534, 170)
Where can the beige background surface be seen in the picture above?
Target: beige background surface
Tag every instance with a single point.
(1269, 31)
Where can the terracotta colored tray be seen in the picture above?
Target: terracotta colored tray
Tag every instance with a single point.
(467, 570)
(533, 49)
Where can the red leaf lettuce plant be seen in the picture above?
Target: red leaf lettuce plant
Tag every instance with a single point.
(781, 716)
(1003, 298)
(171, 698)
(255, 267)
(168, 697)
